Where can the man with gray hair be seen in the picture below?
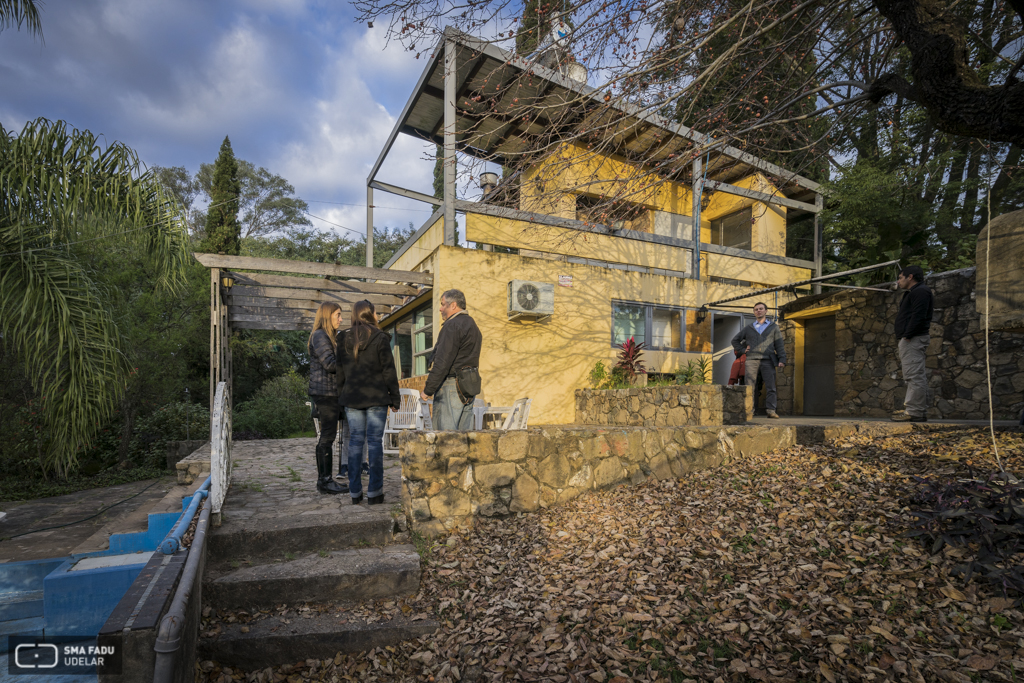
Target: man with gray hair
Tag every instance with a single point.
(456, 351)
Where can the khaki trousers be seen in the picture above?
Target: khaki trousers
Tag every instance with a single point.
(912, 352)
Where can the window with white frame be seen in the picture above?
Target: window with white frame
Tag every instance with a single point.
(412, 340)
(659, 327)
(733, 230)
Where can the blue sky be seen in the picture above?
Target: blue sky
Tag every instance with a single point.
(298, 86)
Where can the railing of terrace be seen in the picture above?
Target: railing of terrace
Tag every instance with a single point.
(220, 452)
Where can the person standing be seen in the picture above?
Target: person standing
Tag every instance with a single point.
(369, 386)
(911, 328)
(323, 390)
(457, 349)
(765, 347)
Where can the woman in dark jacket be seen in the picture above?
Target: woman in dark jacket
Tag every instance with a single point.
(370, 387)
(323, 390)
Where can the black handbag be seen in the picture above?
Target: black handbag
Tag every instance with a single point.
(467, 381)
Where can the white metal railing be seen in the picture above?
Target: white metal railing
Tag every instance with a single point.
(220, 449)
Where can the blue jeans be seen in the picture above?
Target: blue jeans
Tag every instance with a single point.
(449, 412)
(366, 427)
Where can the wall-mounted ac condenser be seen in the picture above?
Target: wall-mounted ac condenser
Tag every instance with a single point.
(530, 299)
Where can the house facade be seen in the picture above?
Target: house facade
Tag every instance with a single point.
(586, 246)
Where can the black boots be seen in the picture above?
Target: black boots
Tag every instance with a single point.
(324, 481)
(375, 500)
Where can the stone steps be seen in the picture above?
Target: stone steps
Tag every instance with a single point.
(269, 539)
(272, 642)
(340, 576)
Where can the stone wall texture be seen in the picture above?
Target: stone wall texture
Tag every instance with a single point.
(868, 379)
(667, 406)
(450, 478)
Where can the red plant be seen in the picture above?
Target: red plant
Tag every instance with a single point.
(630, 362)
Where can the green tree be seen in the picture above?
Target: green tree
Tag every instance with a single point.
(57, 183)
(536, 22)
(222, 227)
(180, 184)
(266, 200)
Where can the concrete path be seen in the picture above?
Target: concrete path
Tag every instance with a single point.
(28, 515)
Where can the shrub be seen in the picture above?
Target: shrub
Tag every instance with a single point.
(696, 371)
(277, 409)
(985, 516)
(170, 422)
(630, 363)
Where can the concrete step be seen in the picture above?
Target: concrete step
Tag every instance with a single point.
(342, 576)
(258, 540)
(271, 642)
(21, 605)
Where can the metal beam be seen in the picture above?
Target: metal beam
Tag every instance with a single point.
(570, 224)
(369, 226)
(310, 268)
(798, 283)
(818, 250)
(698, 192)
(408, 194)
(400, 121)
(450, 76)
(779, 199)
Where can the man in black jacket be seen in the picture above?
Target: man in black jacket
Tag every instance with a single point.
(913, 320)
(457, 347)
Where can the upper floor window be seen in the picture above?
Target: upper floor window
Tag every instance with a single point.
(617, 214)
(733, 230)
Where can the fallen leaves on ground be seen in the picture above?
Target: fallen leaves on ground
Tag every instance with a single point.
(787, 566)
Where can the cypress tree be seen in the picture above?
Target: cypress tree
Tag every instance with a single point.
(223, 231)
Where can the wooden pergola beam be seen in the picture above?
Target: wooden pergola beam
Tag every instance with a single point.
(309, 268)
(312, 295)
(355, 286)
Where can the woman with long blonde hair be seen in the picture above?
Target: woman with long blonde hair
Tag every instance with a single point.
(370, 387)
(323, 390)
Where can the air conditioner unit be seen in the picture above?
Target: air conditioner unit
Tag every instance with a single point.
(530, 299)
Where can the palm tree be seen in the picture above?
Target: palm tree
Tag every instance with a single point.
(17, 13)
(55, 181)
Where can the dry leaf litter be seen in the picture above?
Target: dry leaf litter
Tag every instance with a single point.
(787, 566)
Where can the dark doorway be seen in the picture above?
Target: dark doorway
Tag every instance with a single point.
(820, 366)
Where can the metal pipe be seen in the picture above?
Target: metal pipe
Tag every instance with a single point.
(868, 289)
(170, 545)
(168, 635)
(769, 290)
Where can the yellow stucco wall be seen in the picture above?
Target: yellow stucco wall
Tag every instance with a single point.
(547, 361)
(418, 252)
(549, 187)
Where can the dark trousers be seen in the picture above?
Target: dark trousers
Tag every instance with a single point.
(330, 413)
(764, 369)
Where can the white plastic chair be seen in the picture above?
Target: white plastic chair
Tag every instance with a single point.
(518, 415)
(406, 417)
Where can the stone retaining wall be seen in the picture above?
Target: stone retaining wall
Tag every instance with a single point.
(868, 380)
(666, 406)
(453, 477)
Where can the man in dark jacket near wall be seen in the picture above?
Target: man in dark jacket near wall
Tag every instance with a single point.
(457, 347)
(765, 347)
(911, 328)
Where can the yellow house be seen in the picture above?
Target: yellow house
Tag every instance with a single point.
(594, 241)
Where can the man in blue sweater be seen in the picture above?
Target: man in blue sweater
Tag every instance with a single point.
(913, 322)
(765, 347)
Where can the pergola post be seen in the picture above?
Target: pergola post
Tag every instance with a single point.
(214, 334)
(818, 247)
(369, 227)
(698, 190)
(450, 75)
